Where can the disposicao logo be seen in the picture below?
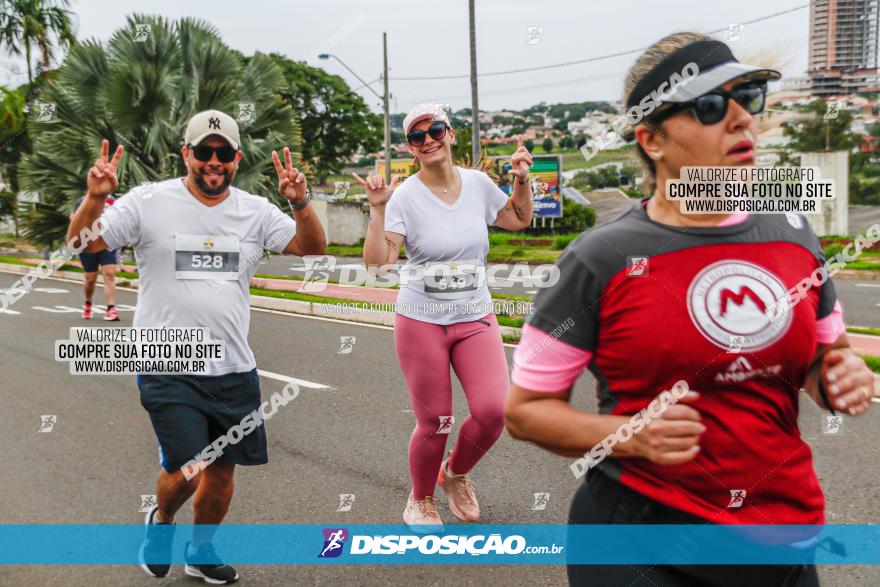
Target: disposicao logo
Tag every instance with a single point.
(334, 540)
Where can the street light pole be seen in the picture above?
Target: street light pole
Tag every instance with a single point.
(385, 99)
(387, 114)
(475, 107)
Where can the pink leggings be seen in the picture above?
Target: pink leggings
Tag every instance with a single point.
(425, 352)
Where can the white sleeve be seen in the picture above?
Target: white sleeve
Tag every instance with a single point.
(278, 228)
(121, 222)
(394, 216)
(495, 198)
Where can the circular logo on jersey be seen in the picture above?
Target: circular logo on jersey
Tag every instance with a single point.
(731, 304)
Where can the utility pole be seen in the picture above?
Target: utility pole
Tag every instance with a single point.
(475, 107)
(387, 115)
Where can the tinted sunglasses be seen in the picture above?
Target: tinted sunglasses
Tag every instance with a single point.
(203, 153)
(437, 130)
(711, 108)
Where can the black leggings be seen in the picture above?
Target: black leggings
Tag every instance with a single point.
(604, 501)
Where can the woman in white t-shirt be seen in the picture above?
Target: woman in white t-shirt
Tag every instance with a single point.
(444, 314)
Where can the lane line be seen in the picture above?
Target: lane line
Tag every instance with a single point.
(300, 382)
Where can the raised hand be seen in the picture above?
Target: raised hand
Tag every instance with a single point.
(521, 160)
(291, 182)
(378, 193)
(101, 180)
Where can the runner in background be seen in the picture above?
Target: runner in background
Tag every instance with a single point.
(657, 296)
(444, 313)
(110, 263)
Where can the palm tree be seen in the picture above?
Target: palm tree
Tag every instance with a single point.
(30, 25)
(140, 91)
(13, 142)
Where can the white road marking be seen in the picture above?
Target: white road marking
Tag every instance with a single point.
(51, 290)
(876, 400)
(286, 379)
(532, 291)
(11, 312)
(868, 285)
(58, 309)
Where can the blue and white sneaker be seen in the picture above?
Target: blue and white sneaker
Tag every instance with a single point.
(155, 551)
(204, 563)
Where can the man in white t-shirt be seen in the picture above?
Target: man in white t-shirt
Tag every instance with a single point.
(197, 242)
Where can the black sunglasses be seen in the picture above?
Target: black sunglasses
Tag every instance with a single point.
(711, 108)
(416, 138)
(203, 153)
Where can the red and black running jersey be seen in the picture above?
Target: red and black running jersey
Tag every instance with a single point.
(655, 304)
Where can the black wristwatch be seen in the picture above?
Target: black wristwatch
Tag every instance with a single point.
(823, 393)
(301, 205)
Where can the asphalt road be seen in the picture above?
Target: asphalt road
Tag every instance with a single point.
(101, 455)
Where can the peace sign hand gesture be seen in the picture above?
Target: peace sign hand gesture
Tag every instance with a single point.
(291, 182)
(378, 193)
(521, 160)
(101, 180)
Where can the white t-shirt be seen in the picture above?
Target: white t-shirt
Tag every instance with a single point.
(195, 262)
(443, 280)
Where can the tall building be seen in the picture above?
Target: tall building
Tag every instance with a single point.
(843, 46)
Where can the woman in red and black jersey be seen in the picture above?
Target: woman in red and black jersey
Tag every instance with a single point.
(659, 296)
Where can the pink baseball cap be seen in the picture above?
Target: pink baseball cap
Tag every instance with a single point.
(422, 112)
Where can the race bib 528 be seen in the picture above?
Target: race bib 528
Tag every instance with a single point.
(206, 257)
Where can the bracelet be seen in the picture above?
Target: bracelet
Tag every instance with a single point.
(301, 205)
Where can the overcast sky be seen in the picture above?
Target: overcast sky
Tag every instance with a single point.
(430, 38)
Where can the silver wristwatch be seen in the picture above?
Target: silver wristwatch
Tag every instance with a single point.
(301, 205)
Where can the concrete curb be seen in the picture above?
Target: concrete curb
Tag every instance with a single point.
(340, 311)
(862, 274)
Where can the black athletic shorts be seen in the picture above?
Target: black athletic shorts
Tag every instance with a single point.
(602, 500)
(90, 261)
(189, 412)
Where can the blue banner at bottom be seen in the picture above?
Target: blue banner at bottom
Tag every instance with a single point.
(481, 544)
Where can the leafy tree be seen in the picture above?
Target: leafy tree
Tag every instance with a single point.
(14, 141)
(335, 121)
(462, 149)
(35, 25)
(818, 133)
(547, 145)
(529, 144)
(141, 93)
(599, 178)
(576, 217)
